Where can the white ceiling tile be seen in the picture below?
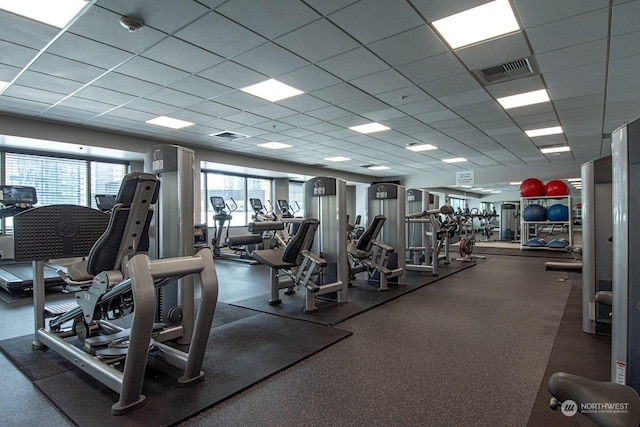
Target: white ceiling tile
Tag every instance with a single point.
(572, 56)
(271, 60)
(317, 41)
(353, 64)
(363, 105)
(15, 55)
(625, 45)
(625, 65)
(371, 20)
(408, 46)
(233, 75)
(273, 111)
(100, 94)
(182, 55)
(339, 93)
(240, 100)
(21, 106)
(269, 19)
(220, 35)
(303, 103)
(433, 68)
(200, 86)
(66, 68)
(383, 81)
(465, 98)
(126, 84)
(329, 113)
(25, 32)
(309, 79)
(48, 82)
(151, 71)
(570, 31)
(624, 18)
(593, 87)
(173, 97)
(538, 12)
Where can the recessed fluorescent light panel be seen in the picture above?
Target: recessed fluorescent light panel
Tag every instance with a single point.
(272, 90)
(455, 160)
(168, 122)
(3, 84)
(480, 23)
(422, 147)
(378, 168)
(574, 179)
(274, 145)
(337, 159)
(544, 131)
(550, 150)
(522, 99)
(369, 128)
(52, 12)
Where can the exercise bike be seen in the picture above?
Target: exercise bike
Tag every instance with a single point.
(468, 241)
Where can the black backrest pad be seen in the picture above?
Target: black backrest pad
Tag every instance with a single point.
(128, 227)
(301, 241)
(371, 233)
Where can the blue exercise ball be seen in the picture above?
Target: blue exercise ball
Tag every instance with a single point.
(534, 212)
(558, 212)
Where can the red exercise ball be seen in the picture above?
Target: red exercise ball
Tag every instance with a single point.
(556, 188)
(531, 187)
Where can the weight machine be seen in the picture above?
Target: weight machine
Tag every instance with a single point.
(125, 283)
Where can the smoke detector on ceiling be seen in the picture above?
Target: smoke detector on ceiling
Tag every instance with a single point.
(131, 24)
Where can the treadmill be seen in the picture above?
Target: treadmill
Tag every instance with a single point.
(17, 277)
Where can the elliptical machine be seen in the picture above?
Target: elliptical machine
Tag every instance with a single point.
(221, 216)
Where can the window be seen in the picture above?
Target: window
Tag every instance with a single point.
(60, 180)
(296, 198)
(57, 181)
(236, 192)
(106, 179)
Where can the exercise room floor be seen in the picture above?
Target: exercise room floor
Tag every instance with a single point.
(470, 349)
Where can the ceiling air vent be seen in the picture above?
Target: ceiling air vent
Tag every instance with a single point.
(229, 136)
(508, 71)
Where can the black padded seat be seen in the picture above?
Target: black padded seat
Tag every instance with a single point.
(564, 386)
(360, 249)
(288, 257)
(273, 258)
(247, 239)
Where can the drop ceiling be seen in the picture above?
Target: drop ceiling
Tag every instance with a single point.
(356, 61)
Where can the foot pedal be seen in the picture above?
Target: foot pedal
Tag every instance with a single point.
(118, 350)
(58, 309)
(93, 343)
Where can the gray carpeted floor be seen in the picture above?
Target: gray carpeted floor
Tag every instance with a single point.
(468, 350)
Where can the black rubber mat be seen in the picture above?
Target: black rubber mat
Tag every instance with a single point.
(539, 253)
(244, 348)
(575, 352)
(362, 296)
